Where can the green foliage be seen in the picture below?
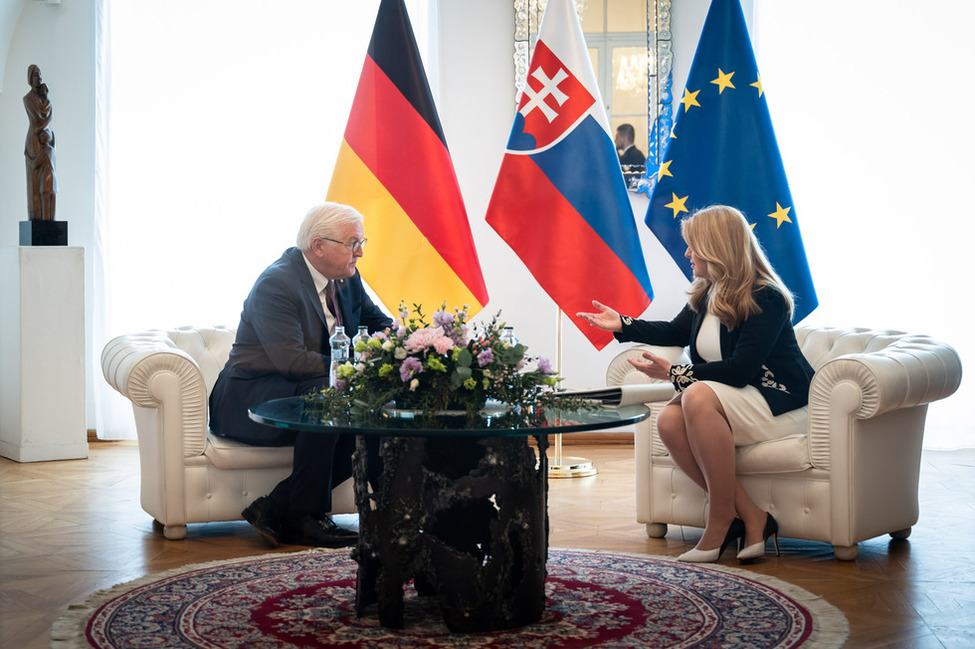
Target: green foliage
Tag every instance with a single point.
(437, 365)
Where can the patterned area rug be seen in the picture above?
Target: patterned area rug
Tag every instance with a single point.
(595, 599)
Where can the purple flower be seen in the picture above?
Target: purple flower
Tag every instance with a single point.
(442, 319)
(545, 366)
(411, 366)
(485, 358)
(459, 335)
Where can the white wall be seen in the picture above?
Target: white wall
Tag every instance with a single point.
(873, 119)
(474, 78)
(9, 15)
(60, 39)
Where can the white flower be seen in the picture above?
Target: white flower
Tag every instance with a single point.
(414, 384)
(400, 353)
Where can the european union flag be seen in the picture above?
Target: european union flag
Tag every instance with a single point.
(723, 151)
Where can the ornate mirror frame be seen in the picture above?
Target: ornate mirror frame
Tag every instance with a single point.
(660, 59)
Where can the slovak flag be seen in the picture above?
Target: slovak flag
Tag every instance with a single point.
(560, 200)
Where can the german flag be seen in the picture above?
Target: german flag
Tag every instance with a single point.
(394, 167)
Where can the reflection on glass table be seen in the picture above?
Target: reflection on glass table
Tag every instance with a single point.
(495, 419)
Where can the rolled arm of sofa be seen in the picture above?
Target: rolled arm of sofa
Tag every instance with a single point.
(153, 373)
(911, 371)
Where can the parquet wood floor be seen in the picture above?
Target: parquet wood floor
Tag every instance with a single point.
(73, 527)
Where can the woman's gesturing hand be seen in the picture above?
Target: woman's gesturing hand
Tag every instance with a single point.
(605, 318)
(654, 366)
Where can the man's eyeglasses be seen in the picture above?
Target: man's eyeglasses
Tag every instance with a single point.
(354, 246)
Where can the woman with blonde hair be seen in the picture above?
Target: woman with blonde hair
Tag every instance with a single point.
(747, 380)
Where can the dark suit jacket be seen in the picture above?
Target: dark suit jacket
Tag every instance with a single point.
(282, 349)
(633, 156)
(761, 351)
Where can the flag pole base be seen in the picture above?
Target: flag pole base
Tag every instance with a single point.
(571, 467)
(559, 466)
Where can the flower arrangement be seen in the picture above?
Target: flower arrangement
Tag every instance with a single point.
(439, 364)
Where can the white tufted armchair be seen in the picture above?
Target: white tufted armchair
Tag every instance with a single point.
(190, 475)
(852, 475)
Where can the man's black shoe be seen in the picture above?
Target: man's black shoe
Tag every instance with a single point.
(262, 519)
(318, 532)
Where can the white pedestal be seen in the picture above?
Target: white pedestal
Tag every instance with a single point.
(42, 353)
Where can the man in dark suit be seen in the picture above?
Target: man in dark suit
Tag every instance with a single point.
(629, 154)
(282, 350)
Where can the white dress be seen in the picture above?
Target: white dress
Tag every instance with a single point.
(747, 411)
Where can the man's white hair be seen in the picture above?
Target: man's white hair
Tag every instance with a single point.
(325, 220)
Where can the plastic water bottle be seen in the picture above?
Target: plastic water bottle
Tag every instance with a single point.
(508, 337)
(362, 336)
(339, 343)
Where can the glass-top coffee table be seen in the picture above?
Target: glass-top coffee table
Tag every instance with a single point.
(458, 505)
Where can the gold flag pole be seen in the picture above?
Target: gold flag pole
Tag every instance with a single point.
(566, 467)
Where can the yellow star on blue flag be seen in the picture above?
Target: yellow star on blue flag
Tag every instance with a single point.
(724, 152)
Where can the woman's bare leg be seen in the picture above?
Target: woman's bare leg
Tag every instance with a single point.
(670, 428)
(712, 445)
(711, 452)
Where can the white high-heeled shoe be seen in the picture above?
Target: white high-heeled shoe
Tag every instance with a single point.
(736, 532)
(700, 556)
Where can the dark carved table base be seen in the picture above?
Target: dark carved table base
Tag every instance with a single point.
(466, 519)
